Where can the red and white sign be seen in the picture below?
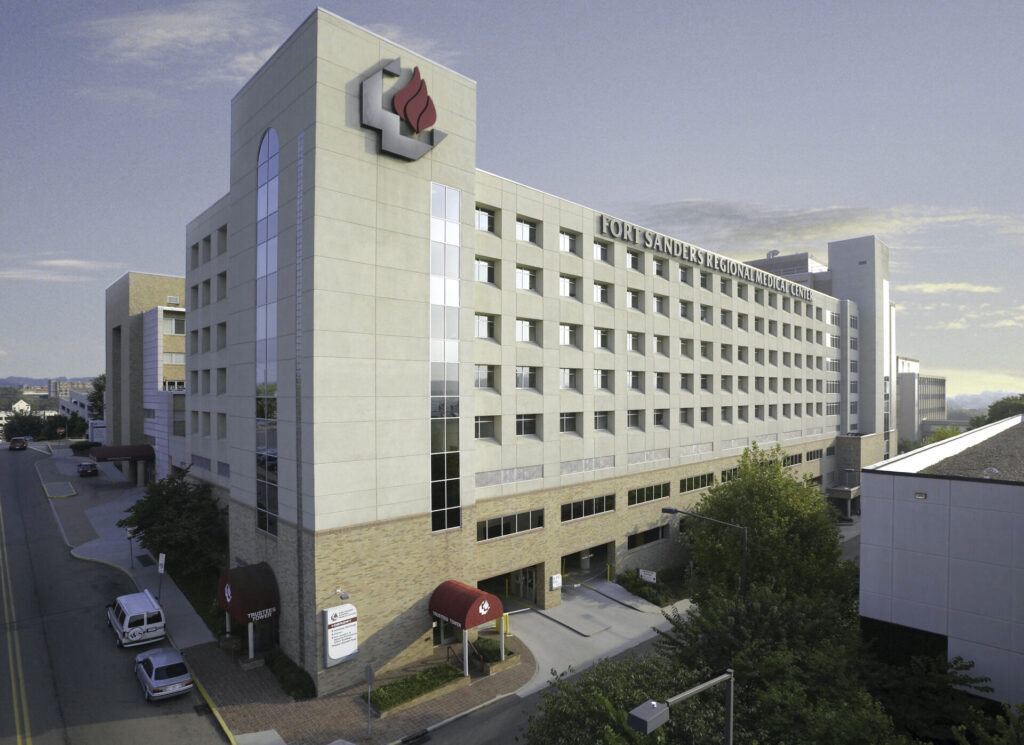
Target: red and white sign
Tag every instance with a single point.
(341, 637)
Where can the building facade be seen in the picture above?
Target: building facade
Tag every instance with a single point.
(145, 347)
(922, 398)
(403, 370)
(942, 548)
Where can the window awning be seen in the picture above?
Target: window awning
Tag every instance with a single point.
(249, 593)
(122, 452)
(463, 606)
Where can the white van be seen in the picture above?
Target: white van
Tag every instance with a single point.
(136, 619)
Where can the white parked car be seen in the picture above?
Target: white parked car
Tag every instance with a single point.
(136, 619)
(162, 673)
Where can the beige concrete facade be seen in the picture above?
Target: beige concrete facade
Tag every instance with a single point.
(377, 302)
(127, 300)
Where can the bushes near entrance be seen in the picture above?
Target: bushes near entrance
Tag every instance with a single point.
(413, 686)
(673, 584)
(490, 649)
(81, 447)
(293, 679)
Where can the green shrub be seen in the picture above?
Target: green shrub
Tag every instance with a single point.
(672, 585)
(83, 446)
(490, 649)
(413, 686)
(293, 679)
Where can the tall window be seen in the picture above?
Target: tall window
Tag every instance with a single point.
(445, 499)
(266, 334)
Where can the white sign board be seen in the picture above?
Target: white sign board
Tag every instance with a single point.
(341, 639)
(556, 581)
(648, 575)
(160, 564)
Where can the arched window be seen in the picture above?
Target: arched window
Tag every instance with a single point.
(266, 334)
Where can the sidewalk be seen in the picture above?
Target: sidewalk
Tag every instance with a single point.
(594, 621)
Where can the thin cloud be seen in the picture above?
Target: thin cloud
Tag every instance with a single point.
(201, 42)
(28, 274)
(58, 270)
(744, 229)
(933, 288)
(423, 45)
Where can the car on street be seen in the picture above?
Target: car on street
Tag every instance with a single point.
(88, 469)
(162, 673)
(17, 443)
(136, 619)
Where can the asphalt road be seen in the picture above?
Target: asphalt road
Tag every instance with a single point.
(62, 680)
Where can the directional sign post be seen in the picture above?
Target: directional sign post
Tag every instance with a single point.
(160, 571)
(369, 684)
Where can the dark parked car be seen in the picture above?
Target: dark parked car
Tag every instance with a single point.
(162, 673)
(88, 469)
(17, 443)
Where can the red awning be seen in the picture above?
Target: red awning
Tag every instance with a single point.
(249, 593)
(463, 606)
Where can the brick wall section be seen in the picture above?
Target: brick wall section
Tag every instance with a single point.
(390, 569)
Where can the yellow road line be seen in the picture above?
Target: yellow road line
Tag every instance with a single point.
(22, 730)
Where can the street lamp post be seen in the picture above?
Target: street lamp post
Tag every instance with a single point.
(743, 575)
(651, 714)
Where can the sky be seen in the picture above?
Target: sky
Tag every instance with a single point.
(741, 127)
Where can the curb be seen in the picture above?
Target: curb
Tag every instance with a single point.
(456, 717)
(612, 597)
(216, 713)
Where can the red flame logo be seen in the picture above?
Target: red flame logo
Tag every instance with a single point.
(414, 105)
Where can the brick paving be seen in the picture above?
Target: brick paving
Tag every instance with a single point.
(252, 701)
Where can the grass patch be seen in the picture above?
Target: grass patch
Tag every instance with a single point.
(413, 686)
(293, 679)
(673, 584)
(490, 649)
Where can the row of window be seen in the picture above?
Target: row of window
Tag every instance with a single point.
(570, 286)
(201, 294)
(201, 340)
(202, 421)
(208, 381)
(529, 377)
(529, 231)
(201, 252)
(497, 527)
(529, 330)
(648, 493)
(488, 427)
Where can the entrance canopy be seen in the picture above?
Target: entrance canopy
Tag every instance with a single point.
(122, 452)
(463, 606)
(249, 593)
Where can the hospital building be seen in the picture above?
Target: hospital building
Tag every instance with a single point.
(403, 371)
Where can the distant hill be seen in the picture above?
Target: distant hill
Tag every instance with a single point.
(977, 400)
(19, 382)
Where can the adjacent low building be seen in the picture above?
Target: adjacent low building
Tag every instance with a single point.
(942, 548)
(145, 372)
(403, 371)
(922, 401)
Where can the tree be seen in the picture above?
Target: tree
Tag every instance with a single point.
(942, 433)
(179, 517)
(99, 389)
(1005, 407)
(23, 425)
(593, 706)
(796, 661)
(929, 696)
(792, 544)
(1005, 729)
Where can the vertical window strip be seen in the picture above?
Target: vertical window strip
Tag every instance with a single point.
(445, 498)
(266, 334)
